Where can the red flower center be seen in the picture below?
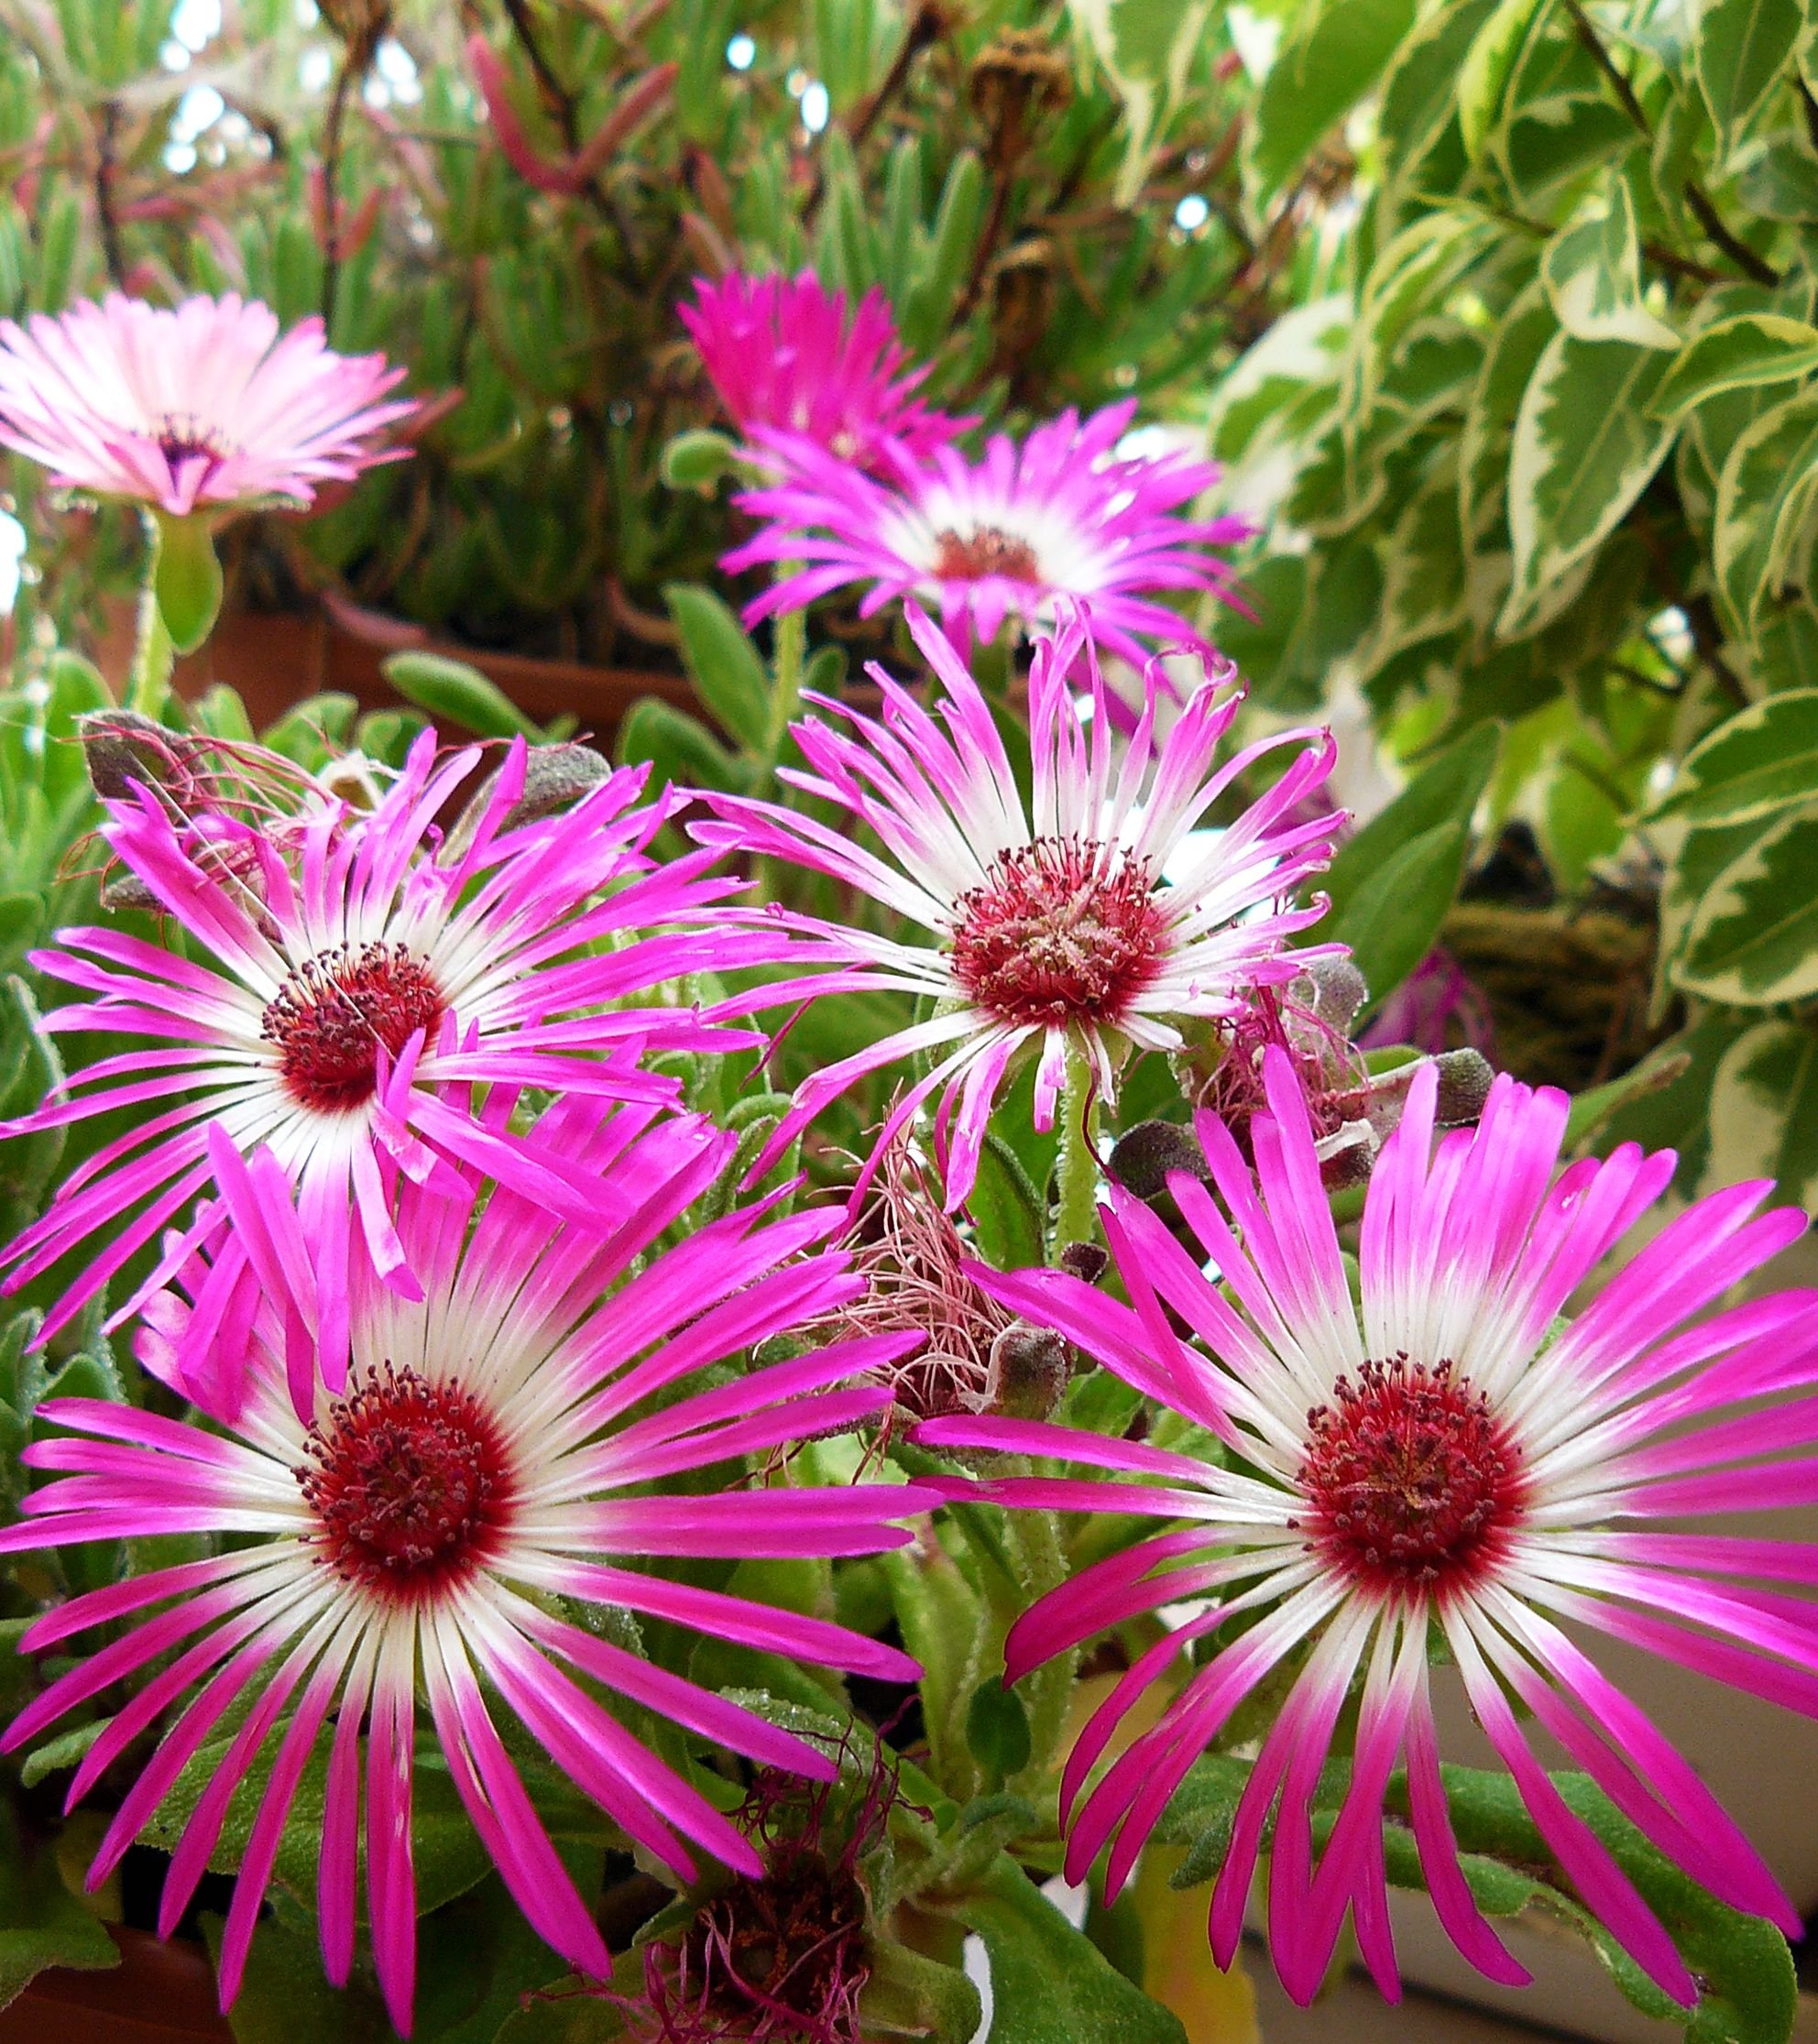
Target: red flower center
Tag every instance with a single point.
(1061, 931)
(968, 556)
(180, 438)
(408, 1479)
(331, 1017)
(1411, 1478)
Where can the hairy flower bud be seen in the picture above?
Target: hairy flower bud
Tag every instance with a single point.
(1142, 1158)
(124, 751)
(1029, 1371)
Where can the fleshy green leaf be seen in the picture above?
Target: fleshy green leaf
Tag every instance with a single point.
(1392, 919)
(909, 1995)
(454, 693)
(1447, 790)
(997, 1729)
(1747, 1993)
(698, 460)
(1050, 1984)
(1006, 1212)
(682, 752)
(41, 1923)
(729, 676)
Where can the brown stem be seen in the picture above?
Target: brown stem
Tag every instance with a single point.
(1594, 47)
(555, 96)
(1705, 211)
(106, 168)
(353, 62)
(926, 29)
(1670, 260)
(1808, 106)
(1738, 250)
(1631, 672)
(1707, 635)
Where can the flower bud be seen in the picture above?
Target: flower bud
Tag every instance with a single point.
(124, 751)
(1029, 1371)
(1142, 1157)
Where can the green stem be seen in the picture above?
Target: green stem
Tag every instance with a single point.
(148, 679)
(1040, 1558)
(1077, 1206)
(789, 643)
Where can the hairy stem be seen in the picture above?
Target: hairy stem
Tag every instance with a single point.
(148, 678)
(1076, 1216)
(1035, 1546)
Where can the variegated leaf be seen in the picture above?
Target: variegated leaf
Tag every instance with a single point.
(1584, 449)
(1753, 939)
(1764, 759)
(1593, 275)
(1764, 1111)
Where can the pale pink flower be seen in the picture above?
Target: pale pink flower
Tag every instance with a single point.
(195, 408)
(411, 1536)
(1442, 1457)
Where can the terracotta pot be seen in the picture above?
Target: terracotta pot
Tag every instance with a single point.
(159, 1993)
(276, 659)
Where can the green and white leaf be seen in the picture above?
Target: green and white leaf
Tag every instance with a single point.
(1764, 1111)
(1584, 449)
(1424, 590)
(1738, 354)
(1333, 55)
(1765, 759)
(1146, 49)
(1485, 73)
(1741, 51)
(1753, 938)
(1593, 275)
(1765, 493)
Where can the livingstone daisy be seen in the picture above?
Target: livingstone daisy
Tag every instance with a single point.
(1447, 1462)
(1090, 920)
(194, 408)
(499, 1444)
(1063, 516)
(348, 983)
(782, 354)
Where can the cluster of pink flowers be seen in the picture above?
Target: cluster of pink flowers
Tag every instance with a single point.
(866, 488)
(420, 1209)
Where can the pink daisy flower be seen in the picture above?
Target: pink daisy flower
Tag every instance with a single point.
(198, 408)
(1094, 919)
(1448, 1461)
(1061, 516)
(346, 983)
(782, 354)
(408, 1538)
